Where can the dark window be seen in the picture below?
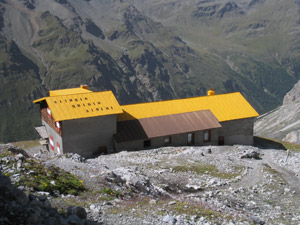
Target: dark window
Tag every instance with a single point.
(89, 104)
(206, 136)
(86, 98)
(190, 139)
(107, 108)
(221, 140)
(167, 140)
(111, 107)
(97, 109)
(147, 143)
(76, 100)
(78, 105)
(55, 102)
(99, 103)
(70, 100)
(100, 151)
(87, 111)
(73, 106)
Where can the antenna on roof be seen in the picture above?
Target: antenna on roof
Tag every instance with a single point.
(84, 86)
(211, 92)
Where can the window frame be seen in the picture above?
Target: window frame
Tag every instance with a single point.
(169, 138)
(147, 143)
(208, 139)
(192, 142)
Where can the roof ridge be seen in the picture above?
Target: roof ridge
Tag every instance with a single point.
(86, 93)
(47, 97)
(228, 106)
(178, 99)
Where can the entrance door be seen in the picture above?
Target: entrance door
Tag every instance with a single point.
(100, 151)
(221, 140)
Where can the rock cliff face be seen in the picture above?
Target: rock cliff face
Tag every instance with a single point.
(293, 96)
(284, 122)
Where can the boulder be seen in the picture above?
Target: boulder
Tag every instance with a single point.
(78, 211)
(75, 157)
(18, 151)
(132, 178)
(169, 219)
(251, 155)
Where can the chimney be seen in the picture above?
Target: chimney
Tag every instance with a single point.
(210, 92)
(84, 86)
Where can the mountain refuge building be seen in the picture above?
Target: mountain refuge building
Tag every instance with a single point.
(88, 123)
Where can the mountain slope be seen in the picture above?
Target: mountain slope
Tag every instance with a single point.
(284, 122)
(19, 83)
(148, 50)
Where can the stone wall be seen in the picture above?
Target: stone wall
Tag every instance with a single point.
(234, 132)
(176, 140)
(237, 131)
(89, 137)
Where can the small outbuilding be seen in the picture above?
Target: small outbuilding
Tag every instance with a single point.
(91, 123)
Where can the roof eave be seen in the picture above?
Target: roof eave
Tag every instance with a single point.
(59, 119)
(39, 100)
(240, 118)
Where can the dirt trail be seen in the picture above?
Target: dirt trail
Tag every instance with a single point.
(289, 176)
(254, 174)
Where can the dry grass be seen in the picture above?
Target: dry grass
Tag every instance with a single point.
(263, 142)
(208, 169)
(141, 207)
(26, 144)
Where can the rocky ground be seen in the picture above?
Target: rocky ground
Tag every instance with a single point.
(180, 185)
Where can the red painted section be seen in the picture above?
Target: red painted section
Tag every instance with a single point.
(52, 142)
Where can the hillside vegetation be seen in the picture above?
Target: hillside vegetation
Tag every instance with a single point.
(144, 51)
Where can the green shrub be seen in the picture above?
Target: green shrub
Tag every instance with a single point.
(50, 179)
(110, 192)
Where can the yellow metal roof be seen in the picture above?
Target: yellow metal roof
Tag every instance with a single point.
(82, 105)
(225, 107)
(69, 91)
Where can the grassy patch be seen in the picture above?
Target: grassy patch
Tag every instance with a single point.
(276, 176)
(141, 207)
(194, 209)
(111, 193)
(272, 171)
(209, 170)
(263, 142)
(74, 202)
(26, 144)
(291, 146)
(52, 179)
(4, 154)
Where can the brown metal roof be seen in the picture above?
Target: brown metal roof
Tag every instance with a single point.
(165, 125)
